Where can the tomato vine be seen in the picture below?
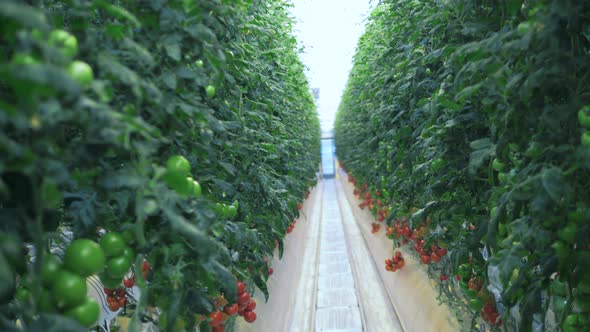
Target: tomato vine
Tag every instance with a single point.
(186, 128)
(470, 118)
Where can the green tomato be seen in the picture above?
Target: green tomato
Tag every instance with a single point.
(231, 211)
(112, 244)
(498, 165)
(584, 116)
(117, 267)
(178, 164)
(84, 257)
(428, 71)
(199, 63)
(210, 89)
(129, 253)
(179, 183)
(69, 290)
(50, 269)
(218, 208)
(81, 72)
(586, 140)
(503, 177)
(86, 313)
(66, 42)
(23, 59)
(196, 188)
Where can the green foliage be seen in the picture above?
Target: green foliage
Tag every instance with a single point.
(217, 82)
(467, 83)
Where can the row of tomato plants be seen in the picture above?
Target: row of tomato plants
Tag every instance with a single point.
(465, 128)
(162, 146)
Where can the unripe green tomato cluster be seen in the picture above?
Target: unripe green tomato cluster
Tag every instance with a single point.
(178, 177)
(64, 283)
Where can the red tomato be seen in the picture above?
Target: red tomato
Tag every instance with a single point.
(128, 283)
(250, 316)
(216, 318)
(232, 309)
(243, 298)
(241, 287)
(434, 257)
(113, 305)
(218, 328)
(251, 305)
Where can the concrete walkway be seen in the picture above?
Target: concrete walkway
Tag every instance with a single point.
(344, 290)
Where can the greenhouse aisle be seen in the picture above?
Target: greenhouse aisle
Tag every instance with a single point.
(347, 290)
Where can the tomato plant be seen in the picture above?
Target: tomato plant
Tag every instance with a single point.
(451, 108)
(126, 124)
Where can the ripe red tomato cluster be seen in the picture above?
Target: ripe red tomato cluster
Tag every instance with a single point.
(389, 231)
(381, 213)
(489, 314)
(116, 298)
(401, 229)
(291, 226)
(395, 263)
(432, 255)
(129, 282)
(244, 307)
(375, 227)
(145, 268)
